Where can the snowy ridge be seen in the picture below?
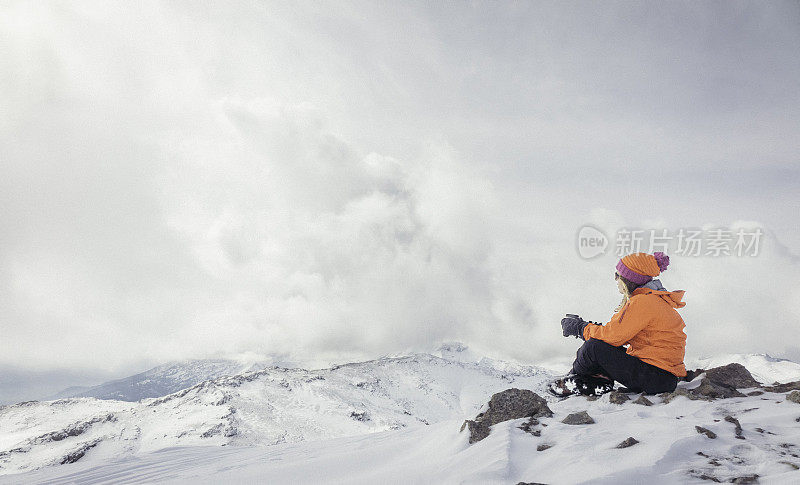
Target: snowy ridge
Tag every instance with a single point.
(265, 407)
(162, 380)
(397, 420)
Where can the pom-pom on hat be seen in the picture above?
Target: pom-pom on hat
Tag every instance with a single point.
(642, 267)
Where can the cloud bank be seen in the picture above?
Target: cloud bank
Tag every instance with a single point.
(330, 184)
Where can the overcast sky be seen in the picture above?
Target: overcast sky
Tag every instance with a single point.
(330, 181)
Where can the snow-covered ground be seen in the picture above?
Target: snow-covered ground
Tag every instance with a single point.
(397, 420)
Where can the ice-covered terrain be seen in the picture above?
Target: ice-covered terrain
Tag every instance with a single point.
(397, 420)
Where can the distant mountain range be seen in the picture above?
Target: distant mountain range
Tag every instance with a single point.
(221, 403)
(162, 380)
(252, 406)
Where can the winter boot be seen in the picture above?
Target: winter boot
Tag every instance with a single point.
(580, 384)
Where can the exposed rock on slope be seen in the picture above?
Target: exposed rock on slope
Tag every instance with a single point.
(503, 406)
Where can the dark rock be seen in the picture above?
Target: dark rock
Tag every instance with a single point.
(745, 479)
(627, 443)
(504, 406)
(711, 389)
(755, 393)
(669, 396)
(213, 431)
(643, 401)
(531, 483)
(477, 431)
(592, 398)
(615, 397)
(360, 416)
(79, 453)
(793, 465)
(543, 447)
(706, 432)
(691, 374)
(578, 418)
(789, 386)
(738, 429)
(73, 430)
(528, 425)
(732, 375)
(706, 391)
(717, 383)
(793, 396)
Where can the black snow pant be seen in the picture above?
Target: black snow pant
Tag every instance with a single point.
(599, 357)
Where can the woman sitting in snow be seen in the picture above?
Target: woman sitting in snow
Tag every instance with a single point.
(646, 320)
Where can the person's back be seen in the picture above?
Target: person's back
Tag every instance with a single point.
(662, 341)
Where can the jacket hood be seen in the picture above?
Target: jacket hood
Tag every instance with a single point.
(655, 287)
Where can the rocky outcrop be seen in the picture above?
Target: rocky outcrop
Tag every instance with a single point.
(616, 397)
(578, 418)
(710, 389)
(789, 386)
(628, 443)
(717, 383)
(79, 452)
(738, 427)
(72, 430)
(732, 375)
(794, 396)
(504, 406)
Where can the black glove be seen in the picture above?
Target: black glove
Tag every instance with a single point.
(573, 325)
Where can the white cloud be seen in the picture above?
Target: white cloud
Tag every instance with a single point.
(350, 180)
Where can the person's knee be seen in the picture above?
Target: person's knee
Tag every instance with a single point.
(594, 345)
(588, 355)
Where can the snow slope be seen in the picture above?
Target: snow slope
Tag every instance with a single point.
(667, 452)
(395, 421)
(265, 407)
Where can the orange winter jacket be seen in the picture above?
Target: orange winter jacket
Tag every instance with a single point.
(650, 323)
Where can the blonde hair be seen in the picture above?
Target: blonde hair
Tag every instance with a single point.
(625, 298)
(626, 294)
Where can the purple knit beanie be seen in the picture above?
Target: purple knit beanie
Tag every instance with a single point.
(642, 267)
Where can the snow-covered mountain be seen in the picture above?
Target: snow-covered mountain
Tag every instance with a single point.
(265, 407)
(162, 380)
(397, 420)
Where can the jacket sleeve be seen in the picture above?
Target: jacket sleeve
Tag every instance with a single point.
(632, 320)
